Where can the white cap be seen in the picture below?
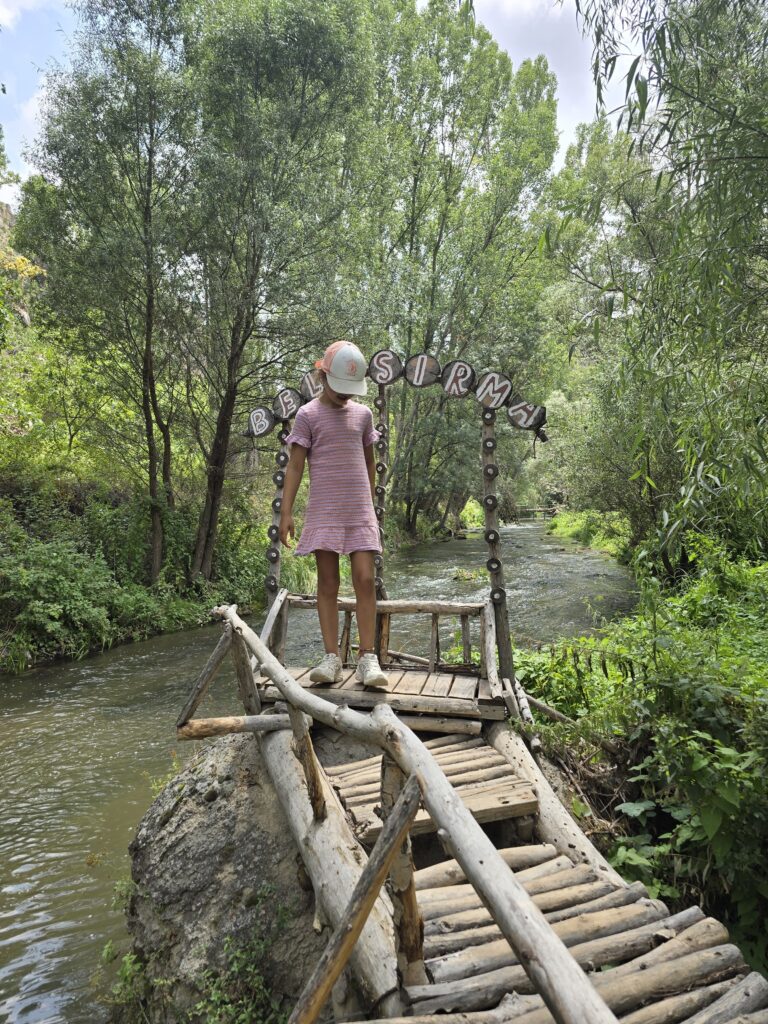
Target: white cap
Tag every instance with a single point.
(345, 368)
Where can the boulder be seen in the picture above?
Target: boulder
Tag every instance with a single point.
(215, 870)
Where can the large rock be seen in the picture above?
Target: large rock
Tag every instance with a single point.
(213, 858)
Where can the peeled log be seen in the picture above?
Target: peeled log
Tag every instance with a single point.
(334, 861)
(750, 994)
(450, 872)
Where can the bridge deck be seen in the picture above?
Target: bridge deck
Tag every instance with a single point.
(411, 690)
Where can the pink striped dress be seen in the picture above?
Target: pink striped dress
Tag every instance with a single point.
(340, 515)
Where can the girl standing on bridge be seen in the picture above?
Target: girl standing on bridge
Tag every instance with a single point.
(337, 436)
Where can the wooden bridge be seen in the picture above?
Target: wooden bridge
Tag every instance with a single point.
(454, 880)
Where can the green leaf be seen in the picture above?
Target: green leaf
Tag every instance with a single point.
(711, 820)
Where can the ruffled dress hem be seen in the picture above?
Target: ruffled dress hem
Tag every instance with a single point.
(342, 539)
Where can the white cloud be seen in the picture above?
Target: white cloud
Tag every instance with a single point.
(12, 10)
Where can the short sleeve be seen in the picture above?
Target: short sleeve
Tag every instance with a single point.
(302, 430)
(370, 435)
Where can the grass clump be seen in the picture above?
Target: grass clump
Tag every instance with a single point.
(604, 531)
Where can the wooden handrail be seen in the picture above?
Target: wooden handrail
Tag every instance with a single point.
(396, 607)
(564, 987)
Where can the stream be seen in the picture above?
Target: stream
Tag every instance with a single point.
(82, 742)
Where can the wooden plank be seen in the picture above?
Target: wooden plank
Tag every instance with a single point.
(438, 684)
(484, 691)
(430, 723)
(484, 806)
(298, 673)
(409, 682)
(399, 702)
(463, 687)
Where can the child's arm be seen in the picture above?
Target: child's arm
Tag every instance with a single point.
(370, 465)
(293, 473)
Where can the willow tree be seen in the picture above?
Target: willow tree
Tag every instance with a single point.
(463, 146)
(106, 219)
(697, 335)
(282, 89)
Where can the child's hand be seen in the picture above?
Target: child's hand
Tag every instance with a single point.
(287, 529)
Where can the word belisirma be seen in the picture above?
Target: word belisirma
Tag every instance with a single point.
(493, 390)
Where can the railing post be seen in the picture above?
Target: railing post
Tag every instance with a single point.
(465, 640)
(246, 680)
(409, 926)
(346, 638)
(434, 643)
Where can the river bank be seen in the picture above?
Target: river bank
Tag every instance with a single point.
(85, 739)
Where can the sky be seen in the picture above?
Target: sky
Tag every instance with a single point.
(33, 33)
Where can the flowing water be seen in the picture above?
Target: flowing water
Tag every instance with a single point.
(82, 741)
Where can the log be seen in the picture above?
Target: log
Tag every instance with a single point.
(577, 930)
(396, 606)
(434, 643)
(269, 623)
(445, 754)
(466, 645)
(204, 680)
(623, 994)
(200, 728)
(553, 824)
(485, 988)
(490, 647)
(336, 954)
(572, 876)
(246, 680)
(750, 994)
(616, 898)
(522, 700)
(678, 1008)
(439, 894)
(761, 1017)
(334, 861)
(489, 771)
(346, 637)
(305, 752)
(409, 926)
(450, 872)
(384, 630)
(565, 988)
(430, 723)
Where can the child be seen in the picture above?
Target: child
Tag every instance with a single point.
(337, 435)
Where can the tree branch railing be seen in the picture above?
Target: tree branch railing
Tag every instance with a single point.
(564, 987)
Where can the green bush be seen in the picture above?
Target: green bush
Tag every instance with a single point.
(682, 685)
(606, 531)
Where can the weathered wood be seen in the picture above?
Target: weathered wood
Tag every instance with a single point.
(334, 861)
(280, 634)
(490, 659)
(576, 931)
(430, 723)
(397, 607)
(616, 898)
(347, 931)
(623, 993)
(499, 613)
(346, 637)
(460, 773)
(204, 680)
(450, 872)
(409, 927)
(272, 616)
(545, 901)
(522, 700)
(434, 643)
(200, 728)
(305, 752)
(760, 1017)
(370, 767)
(750, 994)
(554, 824)
(566, 990)
(680, 1007)
(439, 706)
(466, 645)
(385, 621)
(485, 989)
(246, 680)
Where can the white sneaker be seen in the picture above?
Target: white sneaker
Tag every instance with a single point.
(330, 670)
(369, 673)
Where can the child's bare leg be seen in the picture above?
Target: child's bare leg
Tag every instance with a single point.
(365, 593)
(328, 598)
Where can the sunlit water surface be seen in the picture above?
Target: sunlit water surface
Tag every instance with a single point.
(81, 742)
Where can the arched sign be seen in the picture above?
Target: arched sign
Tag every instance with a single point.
(287, 403)
(311, 385)
(493, 390)
(385, 367)
(458, 379)
(422, 370)
(261, 421)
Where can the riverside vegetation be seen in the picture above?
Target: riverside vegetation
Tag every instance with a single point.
(397, 187)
